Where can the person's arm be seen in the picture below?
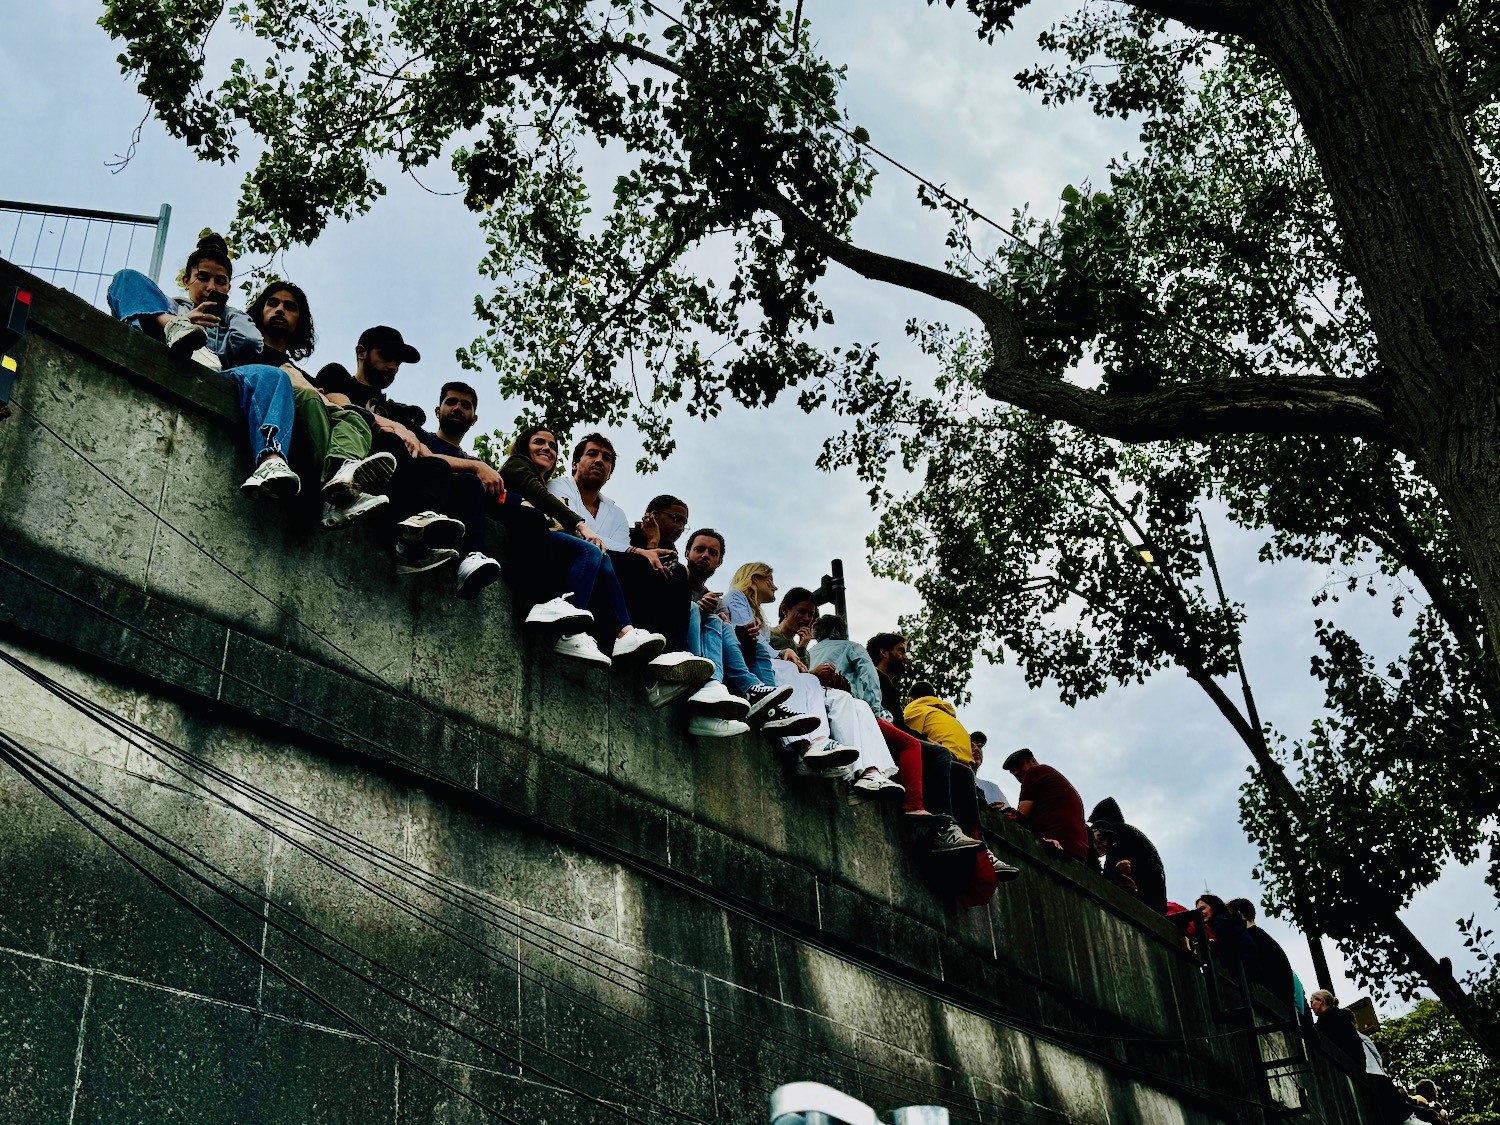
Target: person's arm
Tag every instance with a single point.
(413, 444)
(1025, 807)
(860, 670)
(612, 527)
(493, 483)
(521, 477)
(241, 341)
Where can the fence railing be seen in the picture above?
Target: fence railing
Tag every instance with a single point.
(78, 249)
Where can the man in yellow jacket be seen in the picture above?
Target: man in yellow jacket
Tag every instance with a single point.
(935, 720)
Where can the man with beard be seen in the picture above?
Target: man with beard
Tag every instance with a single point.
(478, 494)
(420, 489)
(332, 443)
(655, 601)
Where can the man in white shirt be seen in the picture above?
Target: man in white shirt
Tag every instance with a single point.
(656, 600)
(593, 465)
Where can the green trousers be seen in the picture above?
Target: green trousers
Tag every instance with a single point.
(325, 434)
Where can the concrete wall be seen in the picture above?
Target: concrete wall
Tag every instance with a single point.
(635, 924)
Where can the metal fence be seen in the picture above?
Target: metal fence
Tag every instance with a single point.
(79, 250)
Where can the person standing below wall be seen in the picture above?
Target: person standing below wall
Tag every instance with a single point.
(1049, 805)
(217, 336)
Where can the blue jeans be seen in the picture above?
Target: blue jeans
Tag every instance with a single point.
(590, 574)
(714, 639)
(267, 400)
(133, 296)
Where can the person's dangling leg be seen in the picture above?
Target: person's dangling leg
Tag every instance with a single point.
(906, 752)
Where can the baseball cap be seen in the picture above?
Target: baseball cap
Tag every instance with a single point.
(390, 343)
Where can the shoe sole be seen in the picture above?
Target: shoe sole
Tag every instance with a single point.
(563, 626)
(721, 709)
(185, 346)
(778, 696)
(267, 490)
(346, 518)
(646, 653)
(438, 533)
(696, 671)
(791, 728)
(422, 567)
(672, 694)
(593, 661)
(860, 797)
(474, 585)
(823, 759)
(717, 733)
(374, 470)
(944, 849)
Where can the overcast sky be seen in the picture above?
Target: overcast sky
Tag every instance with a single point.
(943, 102)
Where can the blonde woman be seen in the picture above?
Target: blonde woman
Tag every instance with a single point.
(752, 587)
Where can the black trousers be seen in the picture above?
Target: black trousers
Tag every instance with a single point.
(656, 603)
(948, 787)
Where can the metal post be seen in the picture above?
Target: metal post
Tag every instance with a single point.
(832, 590)
(159, 250)
(921, 1115)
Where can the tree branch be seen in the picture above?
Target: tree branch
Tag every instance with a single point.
(1274, 406)
(1216, 17)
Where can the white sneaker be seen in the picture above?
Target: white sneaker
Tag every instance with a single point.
(183, 336)
(273, 479)
(705, 727)
(659, 695)
(335, 518)
(829, 753)
(638, 644)
(868, 786)
(475, 572)
(560, 616)
(205, 358)
(679, 668)
(581, 646)
(431, 529)
(716, 700)
(355, 477)
(419, 560)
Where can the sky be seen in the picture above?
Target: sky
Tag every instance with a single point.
(944, 103)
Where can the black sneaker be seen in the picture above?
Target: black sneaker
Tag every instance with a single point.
(780, 721)
(763, 697)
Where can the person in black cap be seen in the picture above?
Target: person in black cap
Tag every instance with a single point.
(421, 489)
(1131, 861)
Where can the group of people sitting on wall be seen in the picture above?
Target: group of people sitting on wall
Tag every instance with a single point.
(602, 587)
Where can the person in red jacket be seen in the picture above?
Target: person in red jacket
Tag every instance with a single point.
(1049, 805)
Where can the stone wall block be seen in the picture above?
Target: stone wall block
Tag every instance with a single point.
(41, 1018)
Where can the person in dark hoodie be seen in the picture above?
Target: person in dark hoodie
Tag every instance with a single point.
(1130, 860)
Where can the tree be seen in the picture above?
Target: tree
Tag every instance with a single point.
(1428, 1042)
(1363, 343)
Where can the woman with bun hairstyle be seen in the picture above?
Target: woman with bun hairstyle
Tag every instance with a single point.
(205, 327)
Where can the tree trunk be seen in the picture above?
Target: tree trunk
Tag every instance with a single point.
(1422, 238)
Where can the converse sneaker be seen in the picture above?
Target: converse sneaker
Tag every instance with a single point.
(705, 727)
(559, 616)
(205, 358)
(787, 724)
(475, 572)
(716, 700)
(419, 560)
(639, 644)
(183, 336)
(581, 646)
(659, 695)
(273, 479)
(355, 477)
(762, 697)
(335, 518)
(431, 529)
(679, 668)
(829, 753)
